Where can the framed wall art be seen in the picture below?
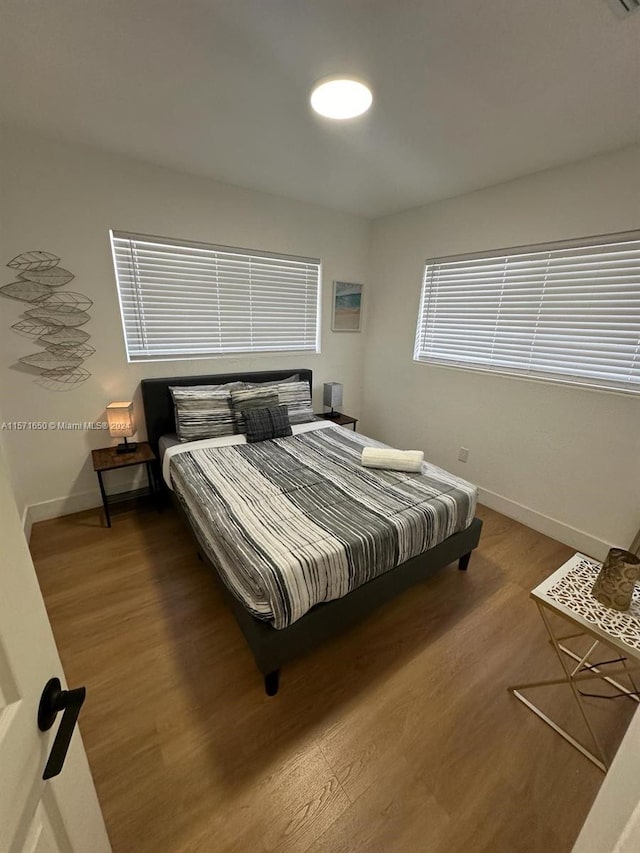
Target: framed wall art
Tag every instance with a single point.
(346, 315)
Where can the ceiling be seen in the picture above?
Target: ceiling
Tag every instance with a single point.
(467, 94)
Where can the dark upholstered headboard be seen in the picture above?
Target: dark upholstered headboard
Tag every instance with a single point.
(158, 403)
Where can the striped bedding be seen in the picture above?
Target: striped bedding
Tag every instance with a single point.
(295, 521)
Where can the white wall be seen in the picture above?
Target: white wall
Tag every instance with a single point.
(564, 460)
(64, 199)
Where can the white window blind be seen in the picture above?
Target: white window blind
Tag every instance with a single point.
(563, 311)
(181, 299)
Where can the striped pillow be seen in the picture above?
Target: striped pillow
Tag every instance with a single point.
(297, 399)
(296, 396)
(251, 398)
(263, 424)
(272, 383)
(203, 411)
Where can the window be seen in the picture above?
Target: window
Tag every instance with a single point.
(181, 299)
(569, 312)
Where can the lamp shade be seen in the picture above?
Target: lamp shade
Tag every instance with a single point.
(332, 394)
(120, 419)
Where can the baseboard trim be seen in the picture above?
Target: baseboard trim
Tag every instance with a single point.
(58, 507)
(26, 523)
(572, 536)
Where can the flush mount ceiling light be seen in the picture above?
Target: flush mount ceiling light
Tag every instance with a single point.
(340, 97)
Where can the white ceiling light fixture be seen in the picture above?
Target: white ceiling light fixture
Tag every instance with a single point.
(341, 97)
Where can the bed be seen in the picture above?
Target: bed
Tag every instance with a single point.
(305, 541)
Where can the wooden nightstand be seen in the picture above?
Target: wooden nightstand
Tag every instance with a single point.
(339, 418)
(108, 459)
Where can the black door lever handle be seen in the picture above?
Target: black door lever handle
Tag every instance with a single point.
(52, 701)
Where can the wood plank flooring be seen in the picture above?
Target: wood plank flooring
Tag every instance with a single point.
(397, 737)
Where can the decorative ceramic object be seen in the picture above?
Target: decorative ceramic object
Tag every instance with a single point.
(614, 585)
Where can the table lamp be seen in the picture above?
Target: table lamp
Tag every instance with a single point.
(122, 425)
(332, 397)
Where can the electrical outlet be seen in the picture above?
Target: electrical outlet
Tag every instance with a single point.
(463, 455)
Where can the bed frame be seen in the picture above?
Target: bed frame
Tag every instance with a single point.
(272, 647)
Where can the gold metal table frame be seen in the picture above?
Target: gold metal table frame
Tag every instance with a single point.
(627, 657)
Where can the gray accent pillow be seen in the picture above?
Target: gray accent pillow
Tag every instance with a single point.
(203, 411)
(263, 424)
(244, 399)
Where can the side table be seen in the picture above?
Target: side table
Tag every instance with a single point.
(338, 418)
(108, 459)
(567, 593)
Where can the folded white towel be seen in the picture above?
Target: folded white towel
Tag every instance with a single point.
(392, 460)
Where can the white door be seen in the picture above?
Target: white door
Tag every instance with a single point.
(613, 824)
(62, 814)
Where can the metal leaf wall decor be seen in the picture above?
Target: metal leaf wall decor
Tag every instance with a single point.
(26, 291)
(34, 261)
(52, 318)
(64, 335)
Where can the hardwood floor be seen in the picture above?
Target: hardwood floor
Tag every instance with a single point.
(397, 737)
